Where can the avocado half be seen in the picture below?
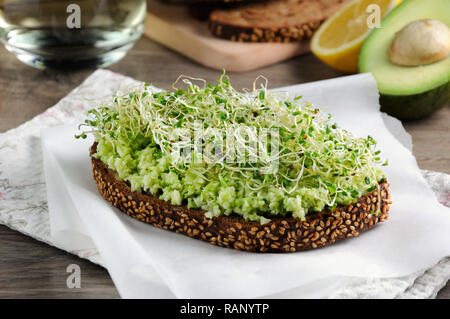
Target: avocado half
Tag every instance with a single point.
(407, 93)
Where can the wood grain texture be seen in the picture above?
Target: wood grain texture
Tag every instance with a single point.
(31, 269)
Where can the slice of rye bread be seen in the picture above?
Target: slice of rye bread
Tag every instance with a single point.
(279, 235)
(274, 21)
(201, 11)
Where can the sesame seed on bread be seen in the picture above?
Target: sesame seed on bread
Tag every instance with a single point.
(272, 21)
(279, 235)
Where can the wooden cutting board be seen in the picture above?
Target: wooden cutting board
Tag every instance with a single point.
(173, 27)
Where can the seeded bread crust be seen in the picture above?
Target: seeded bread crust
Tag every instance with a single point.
(274, 21)
(279, 235)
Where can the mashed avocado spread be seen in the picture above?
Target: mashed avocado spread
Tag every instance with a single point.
(306, 164)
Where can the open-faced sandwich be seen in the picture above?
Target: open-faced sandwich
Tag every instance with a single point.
(256, 171)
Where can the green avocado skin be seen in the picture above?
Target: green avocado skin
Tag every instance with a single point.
(416, 106)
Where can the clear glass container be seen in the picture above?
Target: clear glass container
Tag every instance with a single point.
(70, 33)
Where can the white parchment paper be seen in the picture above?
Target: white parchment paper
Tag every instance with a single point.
(148, 262)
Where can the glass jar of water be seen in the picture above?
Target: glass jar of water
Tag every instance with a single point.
(70, 33)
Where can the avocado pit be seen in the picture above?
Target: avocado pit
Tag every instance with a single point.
(420, 42)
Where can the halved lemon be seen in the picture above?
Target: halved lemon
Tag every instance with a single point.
(339, 39)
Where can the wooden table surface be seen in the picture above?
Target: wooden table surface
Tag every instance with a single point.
(31, 269)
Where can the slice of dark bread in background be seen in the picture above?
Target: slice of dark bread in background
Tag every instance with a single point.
(279, 235)
(201, 11)
(273, 21)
